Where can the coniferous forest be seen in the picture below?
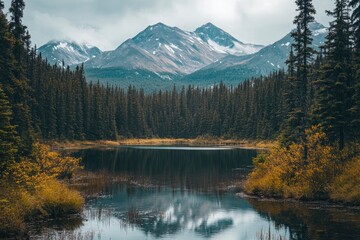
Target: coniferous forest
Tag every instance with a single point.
(41, 102)
(52, 102)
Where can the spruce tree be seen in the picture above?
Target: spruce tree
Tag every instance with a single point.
(8, 135)
(7, 61)
(299, 62)
(17, 28)
(303, 50)
(355, 4)
(292, 124)
(334, 92)
(20, 98)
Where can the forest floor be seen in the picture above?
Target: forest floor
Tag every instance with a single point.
(256, 144)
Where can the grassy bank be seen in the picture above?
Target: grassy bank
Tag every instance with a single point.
(327, 173)
(164, 141)
(33, 189)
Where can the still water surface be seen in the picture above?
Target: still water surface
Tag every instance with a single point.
(188, 193)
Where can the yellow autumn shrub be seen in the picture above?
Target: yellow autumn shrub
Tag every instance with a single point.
(57, 199)
(11, 212)
(52, 163)
(266, 179)
(346, 186)
(286, 172)
(42, 166)
(32, 188)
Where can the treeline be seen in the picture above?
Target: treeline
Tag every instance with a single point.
(52, 102)
(66, 107)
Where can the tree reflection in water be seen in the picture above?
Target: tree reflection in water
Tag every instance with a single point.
(205, 170)
(310, 221)
(141, 193)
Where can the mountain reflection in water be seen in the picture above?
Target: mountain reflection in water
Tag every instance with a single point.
(162, 192)
(176, 215)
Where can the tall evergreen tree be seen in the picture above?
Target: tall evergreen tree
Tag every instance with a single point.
(292, 124)
(8, 135)
(299, 64)
(303, 50)
(20, 97)
(355, 4)
(334, 94)
(7, 61)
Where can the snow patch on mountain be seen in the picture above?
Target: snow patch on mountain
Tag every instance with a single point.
(170, 51)
(68, 53)
(320, 31)
(223, 42)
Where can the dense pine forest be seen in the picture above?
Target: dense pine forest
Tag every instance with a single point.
(52, 102)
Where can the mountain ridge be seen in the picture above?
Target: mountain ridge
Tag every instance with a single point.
(166, 55)
(263, 62)
(170, 51)
(69, 52)
(218, 38)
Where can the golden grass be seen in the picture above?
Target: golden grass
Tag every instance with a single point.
(12, 210)
(52, 199)
(346, 186)
(31, 188)
(58, 200)
(163, 141)
(284, 173)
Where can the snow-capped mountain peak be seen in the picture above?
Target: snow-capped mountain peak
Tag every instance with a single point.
(160, 49)
(223, 42)
(163, 49)
(210, 32)
(69, 52)
(270, 58)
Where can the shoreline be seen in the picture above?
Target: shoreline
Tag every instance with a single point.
(323, 203)
(249, 144)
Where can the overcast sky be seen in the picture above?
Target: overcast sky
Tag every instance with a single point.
(108, 23)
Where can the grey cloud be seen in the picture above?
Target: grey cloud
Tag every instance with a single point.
(107, 23)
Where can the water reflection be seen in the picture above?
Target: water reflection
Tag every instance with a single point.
(310, 221)
(163, 166)
(165, 193)
(177, 215)
(179, 148)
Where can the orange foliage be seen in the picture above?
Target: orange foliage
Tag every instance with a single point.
(285, 172)
(42, 166)
(31, 188)
(346, 186)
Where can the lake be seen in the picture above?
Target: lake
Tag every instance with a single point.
(185, 192)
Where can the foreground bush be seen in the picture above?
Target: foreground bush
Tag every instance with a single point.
(285, 172)
(32, 188)
(56, 199)
(41, 166)
(346, 186)
(12, 210)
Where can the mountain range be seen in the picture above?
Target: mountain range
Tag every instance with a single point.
(161, 56)
(232, 69)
